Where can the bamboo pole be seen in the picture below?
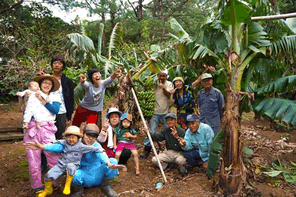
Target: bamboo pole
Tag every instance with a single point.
(274, 17)
(148, 133)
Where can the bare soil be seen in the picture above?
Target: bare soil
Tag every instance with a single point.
(15, 180)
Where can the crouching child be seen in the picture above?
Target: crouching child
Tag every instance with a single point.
(73, 150)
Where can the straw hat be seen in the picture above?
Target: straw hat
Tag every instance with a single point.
(73, 130)
(178, 79)
(56, 83)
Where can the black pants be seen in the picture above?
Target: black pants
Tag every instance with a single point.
(124, 157)
(61, 125)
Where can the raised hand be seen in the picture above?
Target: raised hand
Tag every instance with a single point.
(34, 145)
(82, 78)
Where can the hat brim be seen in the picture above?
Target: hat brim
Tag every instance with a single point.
(207, 78)
(90, 132)
(56, 83)
(109, 113)
(72, 133)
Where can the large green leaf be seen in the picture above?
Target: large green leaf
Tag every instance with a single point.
(278, 86)
(242, 12)
(79, 94)
(284, 45)
(183, 35)
(276, 108)
(115, 38)
(216, 148)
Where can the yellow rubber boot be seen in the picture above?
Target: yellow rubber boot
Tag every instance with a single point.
(67, 188)
(47, 189)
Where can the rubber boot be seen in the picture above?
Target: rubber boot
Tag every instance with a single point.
(147, 151)
(105, 186)
(47, 189)
(67, 188)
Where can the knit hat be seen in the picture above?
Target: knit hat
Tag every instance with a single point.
(73, 130)
(206, 76)
(56, 83)
(112, 110)
(178, 78)
(91, 72)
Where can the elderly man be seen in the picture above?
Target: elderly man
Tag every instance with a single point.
(95, 168)
(173, 153)
(197, 141)
(161, 107)
(211, 102)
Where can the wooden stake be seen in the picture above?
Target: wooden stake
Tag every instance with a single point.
(148, 133)
(274, 17)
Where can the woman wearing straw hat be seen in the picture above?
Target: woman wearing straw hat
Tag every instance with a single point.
(44, 134)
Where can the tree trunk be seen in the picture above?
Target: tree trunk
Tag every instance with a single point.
(140, 10)
(232, 183)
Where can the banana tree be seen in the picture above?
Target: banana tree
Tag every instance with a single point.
(232, 41)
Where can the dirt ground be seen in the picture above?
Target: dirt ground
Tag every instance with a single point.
(15, 180)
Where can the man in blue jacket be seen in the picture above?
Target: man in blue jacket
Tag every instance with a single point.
(197, 141)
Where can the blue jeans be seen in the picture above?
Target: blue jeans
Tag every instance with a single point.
(153, 123)
(192, 156)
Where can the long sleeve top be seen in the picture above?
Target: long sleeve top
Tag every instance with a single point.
(72, 154)
(201, 140)
(171, 142)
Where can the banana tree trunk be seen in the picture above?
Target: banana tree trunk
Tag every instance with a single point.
(232, 182)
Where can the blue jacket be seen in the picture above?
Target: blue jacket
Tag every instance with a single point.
(201, 140)
(92, 168)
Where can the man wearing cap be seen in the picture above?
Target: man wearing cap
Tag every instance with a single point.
(211, 102)
(197, 141)
(173, 153)
(162, 93)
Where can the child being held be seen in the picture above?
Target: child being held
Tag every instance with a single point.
(124, 136)
(33, 104)
(69, 162)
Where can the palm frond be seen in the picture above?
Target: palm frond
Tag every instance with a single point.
(100, 37)
(115, 38)
(284, 45)
(183, 35)
(278, 86)
(279, 109)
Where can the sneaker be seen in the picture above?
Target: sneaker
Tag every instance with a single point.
(169, 167)
(183, 170)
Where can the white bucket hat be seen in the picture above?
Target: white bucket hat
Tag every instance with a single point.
(113, 110)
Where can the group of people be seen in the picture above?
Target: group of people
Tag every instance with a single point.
(191, 141)
(94, 156)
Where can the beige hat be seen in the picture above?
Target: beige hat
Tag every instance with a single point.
(206, 76)
(178, 78)
(73, 130)
(56, 83)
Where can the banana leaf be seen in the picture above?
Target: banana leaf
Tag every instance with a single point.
(276, 108)
(278, 86)
(79, 94)
(217, 146)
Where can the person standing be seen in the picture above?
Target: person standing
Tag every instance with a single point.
(162, 93)
(65, 92)
(211, 102)
(92, 103)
